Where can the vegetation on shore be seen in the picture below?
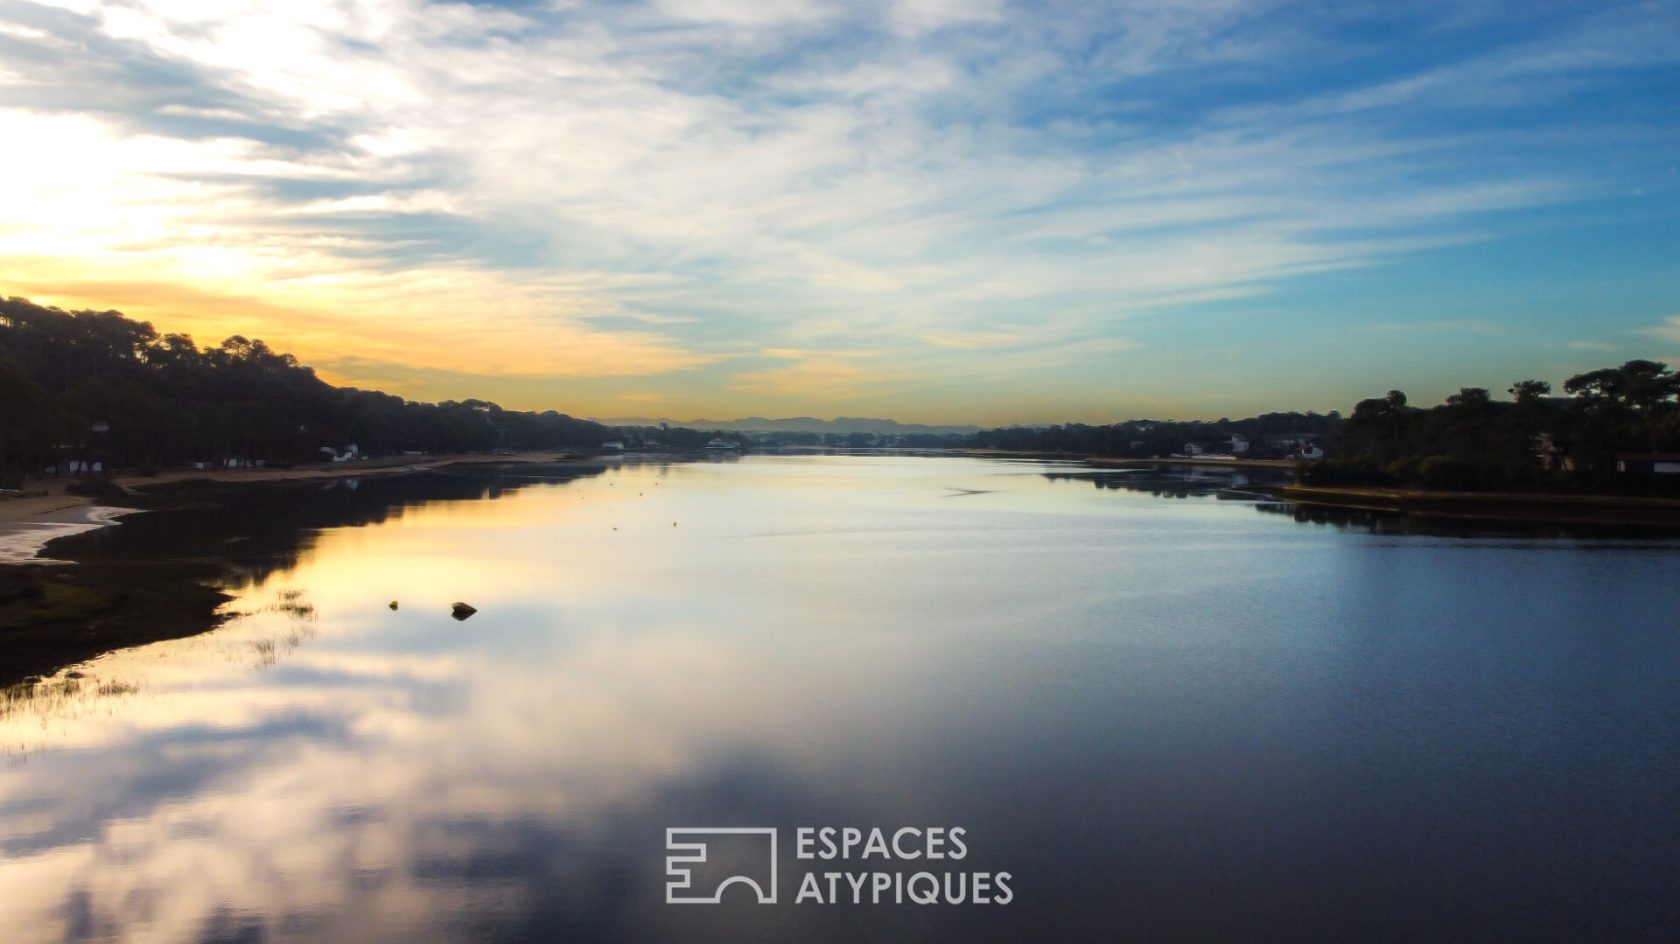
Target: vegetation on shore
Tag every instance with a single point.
(100, 387)
(1607, 435)
(1148, 439)
(125, 396)
(1601, 437)
(53, 615)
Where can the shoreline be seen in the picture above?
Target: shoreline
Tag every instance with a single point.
(23, 539)
(1619, 511)
(57, 613)
(1119, 462)
(29, 523)
(1276, 465)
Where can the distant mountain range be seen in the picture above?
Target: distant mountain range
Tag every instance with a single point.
(795, 424)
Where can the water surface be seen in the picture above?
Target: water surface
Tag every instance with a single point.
(1169, 710)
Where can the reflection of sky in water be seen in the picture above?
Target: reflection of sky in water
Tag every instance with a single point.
(1168, 716)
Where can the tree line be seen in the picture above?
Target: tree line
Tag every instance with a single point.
(100, 387)
(1604, 434)
(95, 386)
(1158, 438)
(1608, 432)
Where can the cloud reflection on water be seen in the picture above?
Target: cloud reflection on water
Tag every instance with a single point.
(1134, 700)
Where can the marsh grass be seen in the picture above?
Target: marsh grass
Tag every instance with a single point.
(292, 604)
(56, 602)
(266, 650)
(62, 695)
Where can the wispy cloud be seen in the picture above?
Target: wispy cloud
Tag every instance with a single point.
(1668, 330)
(1460, 326)
(649, 188)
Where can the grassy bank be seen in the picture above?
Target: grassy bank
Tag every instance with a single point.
(54, 615)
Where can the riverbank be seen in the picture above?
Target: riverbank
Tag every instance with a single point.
(1608, 511)
(1601, 510)
(47, 511)
(56, 613)
(51, 517)
(1117, 462)
(1276, 465)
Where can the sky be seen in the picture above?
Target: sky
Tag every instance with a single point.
(947, 212)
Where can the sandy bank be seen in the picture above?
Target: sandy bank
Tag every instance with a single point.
(22, 537)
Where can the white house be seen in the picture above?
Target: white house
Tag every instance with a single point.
(351, 453)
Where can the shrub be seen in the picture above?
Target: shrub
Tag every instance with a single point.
(1331, 473)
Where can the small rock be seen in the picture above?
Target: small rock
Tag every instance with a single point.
(393, 604)
(461, 610)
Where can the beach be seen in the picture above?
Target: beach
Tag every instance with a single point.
(26, 530)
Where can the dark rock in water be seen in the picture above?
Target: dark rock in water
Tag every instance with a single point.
(461, 611)
(393, 604)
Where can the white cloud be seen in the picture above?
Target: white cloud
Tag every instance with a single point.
(914, 17)
(794, 173)
(1669, 330)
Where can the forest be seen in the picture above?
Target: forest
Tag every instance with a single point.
(1153, 438)
(100, 387)
(1612, 430)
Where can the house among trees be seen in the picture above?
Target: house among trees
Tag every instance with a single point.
(1237, 445)
(1296, 446)
(1553, 453)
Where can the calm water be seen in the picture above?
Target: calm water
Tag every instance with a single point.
(1168, 711)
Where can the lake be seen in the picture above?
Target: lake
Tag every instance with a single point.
(1164, 707)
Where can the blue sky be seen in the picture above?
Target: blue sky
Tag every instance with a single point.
(951, 212)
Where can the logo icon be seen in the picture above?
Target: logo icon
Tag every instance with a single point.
(724, 856)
